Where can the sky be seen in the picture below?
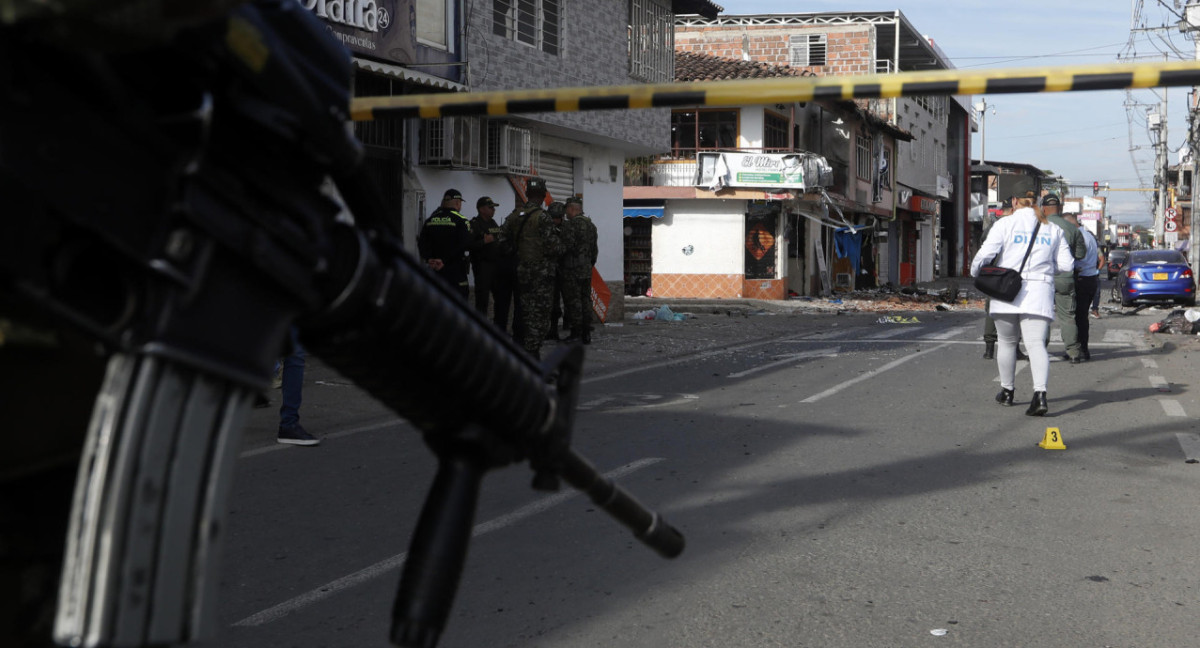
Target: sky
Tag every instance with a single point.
(1085, 137)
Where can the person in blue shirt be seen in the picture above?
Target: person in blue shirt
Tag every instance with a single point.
(1087, 282)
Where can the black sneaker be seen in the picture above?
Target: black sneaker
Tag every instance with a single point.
(296, 436)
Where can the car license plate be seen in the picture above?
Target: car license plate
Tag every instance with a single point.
(1159, 276)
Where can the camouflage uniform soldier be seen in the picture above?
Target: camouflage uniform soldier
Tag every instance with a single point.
(582, 250)
(529, 233)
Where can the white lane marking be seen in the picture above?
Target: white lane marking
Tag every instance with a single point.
(1172, 407)
(1118, 335)
(817, 353)
(1190, 444)
(335, 435)
(890, 333)
(1149, 363)
(948, 333)
(1160, 383)
(1022, 365)
(680, 360)
(639, 401)
(1140, 343)
(872, 373)
(395, 562)
(824, 336)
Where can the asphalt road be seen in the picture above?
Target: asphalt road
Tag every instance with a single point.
(844, 481)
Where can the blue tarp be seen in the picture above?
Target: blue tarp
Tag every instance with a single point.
(643, 212)
(848, 244)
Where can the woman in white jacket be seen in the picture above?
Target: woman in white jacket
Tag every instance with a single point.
(1029, 315)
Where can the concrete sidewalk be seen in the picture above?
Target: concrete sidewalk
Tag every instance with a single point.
(947, 294)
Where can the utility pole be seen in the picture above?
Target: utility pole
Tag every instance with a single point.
(1158, 126)
(1193, 23)
(982, 108)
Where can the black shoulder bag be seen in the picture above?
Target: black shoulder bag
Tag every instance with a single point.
(1004, 283)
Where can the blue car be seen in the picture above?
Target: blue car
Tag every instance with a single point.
(1156, 276)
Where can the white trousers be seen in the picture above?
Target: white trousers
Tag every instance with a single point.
(1011, 327)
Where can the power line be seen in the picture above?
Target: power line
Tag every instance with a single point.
(1064, 53)
(1074, 130)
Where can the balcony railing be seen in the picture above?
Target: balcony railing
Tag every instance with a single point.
(673, 174)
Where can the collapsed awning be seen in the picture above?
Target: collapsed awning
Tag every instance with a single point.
(643, 212)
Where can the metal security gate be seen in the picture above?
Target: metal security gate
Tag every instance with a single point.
(559, 173)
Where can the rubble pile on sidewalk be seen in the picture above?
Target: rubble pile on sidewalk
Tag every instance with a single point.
(890, 299)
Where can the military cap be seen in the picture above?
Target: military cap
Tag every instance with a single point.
(536, 184)
(1051, 200)
(486, 201)
(575, 200)
(557, 209)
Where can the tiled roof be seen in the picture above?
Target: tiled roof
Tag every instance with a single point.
(691, 66)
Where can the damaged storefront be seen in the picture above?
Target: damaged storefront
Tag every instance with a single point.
(754, 225)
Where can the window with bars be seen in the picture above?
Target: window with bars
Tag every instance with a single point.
(887, 170)
(382, 133)
(806, 50)
(651, 41)
(775, 131)
(693, 130)
(862, 156)
(537, 23)
(452, 142)
(432, 18)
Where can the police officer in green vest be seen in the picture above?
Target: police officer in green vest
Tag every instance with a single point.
(1064, 282)
(443, 242)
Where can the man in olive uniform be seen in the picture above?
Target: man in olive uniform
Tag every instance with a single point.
(1064, 281)
(577, 284)
(486, 259)
(529, 234)
(443, 242)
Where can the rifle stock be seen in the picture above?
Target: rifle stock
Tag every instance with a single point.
(134, 208)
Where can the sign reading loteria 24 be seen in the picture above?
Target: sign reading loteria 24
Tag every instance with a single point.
(379, 29)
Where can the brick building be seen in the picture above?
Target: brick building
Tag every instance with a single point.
(723, 215)
(927, 234)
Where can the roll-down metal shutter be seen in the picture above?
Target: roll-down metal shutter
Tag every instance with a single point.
(559, 173)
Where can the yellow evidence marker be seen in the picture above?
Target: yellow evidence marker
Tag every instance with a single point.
(1052, 440)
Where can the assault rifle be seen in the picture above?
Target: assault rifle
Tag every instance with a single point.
(176, 178)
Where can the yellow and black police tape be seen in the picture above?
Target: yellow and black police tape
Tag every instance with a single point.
(781, 90)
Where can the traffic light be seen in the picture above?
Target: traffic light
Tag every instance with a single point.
(1095, 188)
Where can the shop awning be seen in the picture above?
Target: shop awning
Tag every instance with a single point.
(408, 74)
(643, 212)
